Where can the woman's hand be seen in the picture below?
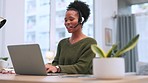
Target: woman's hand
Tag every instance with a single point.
(7, 71)
(50, 68)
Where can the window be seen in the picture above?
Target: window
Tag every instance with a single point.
(38, 19)
(141, 13)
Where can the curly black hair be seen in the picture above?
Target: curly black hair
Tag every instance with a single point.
(82, 8)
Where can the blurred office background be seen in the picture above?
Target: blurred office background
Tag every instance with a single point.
(42, 22)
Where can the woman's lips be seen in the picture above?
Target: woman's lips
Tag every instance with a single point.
(70, 28)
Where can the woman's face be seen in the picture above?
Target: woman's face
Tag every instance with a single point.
(71, 20)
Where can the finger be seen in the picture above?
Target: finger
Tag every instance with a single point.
(46, 66)
(48, 70)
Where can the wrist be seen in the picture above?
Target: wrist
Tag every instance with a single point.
(58, 68)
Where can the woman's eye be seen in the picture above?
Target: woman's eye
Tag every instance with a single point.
(71, 19)
(65, 20)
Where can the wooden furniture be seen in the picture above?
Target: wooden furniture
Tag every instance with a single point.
(13, 78)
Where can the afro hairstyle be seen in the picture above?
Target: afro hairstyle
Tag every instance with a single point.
(82, 8)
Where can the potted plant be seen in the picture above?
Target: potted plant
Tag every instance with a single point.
(110, 65)
(3, 63)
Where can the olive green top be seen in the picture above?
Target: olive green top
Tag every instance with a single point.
(75, 58)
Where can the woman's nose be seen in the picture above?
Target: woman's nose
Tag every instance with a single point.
(67, 22)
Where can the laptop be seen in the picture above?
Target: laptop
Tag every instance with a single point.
(27, 59)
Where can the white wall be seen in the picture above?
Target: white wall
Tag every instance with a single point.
(1, 15)
(12, 32)
(105, 10)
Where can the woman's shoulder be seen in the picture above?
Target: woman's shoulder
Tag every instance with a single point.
(63, 40)
(90, 39)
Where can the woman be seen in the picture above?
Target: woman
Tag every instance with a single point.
(74, 54)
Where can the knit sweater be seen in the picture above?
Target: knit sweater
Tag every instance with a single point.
(75, 58)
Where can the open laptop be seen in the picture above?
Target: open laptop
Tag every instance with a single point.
(27, 59)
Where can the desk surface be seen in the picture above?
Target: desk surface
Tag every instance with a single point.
(13, 78)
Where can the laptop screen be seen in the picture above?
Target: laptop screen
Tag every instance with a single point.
(27, 59)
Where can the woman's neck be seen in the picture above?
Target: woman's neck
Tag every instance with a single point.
(76, 37)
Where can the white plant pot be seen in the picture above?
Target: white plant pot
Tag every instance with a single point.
(108, 68)
(3, 64)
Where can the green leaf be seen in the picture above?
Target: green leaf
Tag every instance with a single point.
(4, 58)
(128, 47)
(111, 50)
(98, 50)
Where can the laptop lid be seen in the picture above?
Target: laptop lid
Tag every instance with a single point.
(27, 59)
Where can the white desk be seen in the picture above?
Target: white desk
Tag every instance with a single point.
(12, 78)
